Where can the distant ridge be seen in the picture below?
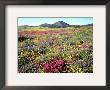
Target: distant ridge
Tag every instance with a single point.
(59, 24)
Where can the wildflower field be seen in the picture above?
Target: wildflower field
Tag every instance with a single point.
(55, 50)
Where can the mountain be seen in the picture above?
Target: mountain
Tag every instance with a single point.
(45, 25)
(59, 24)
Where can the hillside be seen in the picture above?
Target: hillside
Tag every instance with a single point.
(59, 24)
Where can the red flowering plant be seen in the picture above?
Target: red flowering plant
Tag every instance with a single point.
(54, 66)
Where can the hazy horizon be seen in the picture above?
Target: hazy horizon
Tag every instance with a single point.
(38, 21)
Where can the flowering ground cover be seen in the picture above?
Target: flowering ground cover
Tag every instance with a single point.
(58, 50)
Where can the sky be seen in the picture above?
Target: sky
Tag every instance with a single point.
(34, 21)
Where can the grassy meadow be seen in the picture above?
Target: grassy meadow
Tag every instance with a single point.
(55, 50)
